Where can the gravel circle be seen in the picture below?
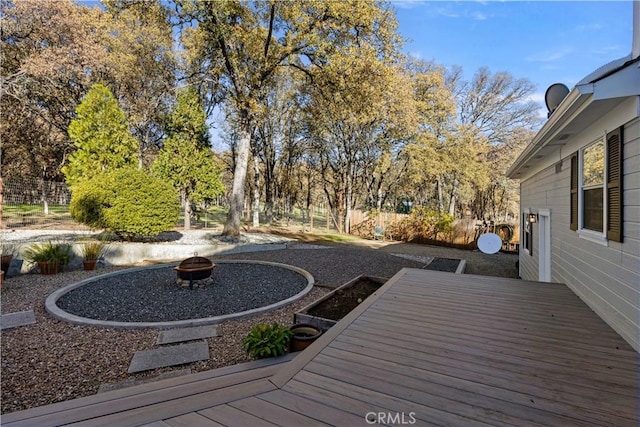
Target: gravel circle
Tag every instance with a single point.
(152, 295)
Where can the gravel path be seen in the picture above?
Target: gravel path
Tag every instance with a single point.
(53, 361)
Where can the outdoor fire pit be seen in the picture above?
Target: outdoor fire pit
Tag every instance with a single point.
(193, 269)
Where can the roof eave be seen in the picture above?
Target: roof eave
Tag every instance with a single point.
(576, 99)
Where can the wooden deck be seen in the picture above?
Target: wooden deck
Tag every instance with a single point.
(429, 348)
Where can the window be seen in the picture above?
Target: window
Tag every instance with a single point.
(596, 188)
(592, 187)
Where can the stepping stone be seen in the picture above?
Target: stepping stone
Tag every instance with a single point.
(130, 383)
(169, 356)
(187, 334)
(13, 320)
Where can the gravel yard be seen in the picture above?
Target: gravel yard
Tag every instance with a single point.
(52, 361)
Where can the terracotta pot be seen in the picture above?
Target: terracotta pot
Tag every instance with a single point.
(303, 335)
(89, 264)
(6, 262)
(49, 267)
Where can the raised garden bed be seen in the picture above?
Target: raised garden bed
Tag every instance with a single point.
(328, 310)
(450, 265)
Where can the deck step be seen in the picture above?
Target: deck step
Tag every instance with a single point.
(226, 384)
(134, 382)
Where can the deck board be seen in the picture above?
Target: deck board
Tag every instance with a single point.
(440, 348)
(384, 399)
(230, 416)
(536, 385)
(176, 407)
(192, 419)
(517, 348)
(465, 359)
(427, 393)
(274, 413)
(526, 394)
(311, 408)
(416, 319)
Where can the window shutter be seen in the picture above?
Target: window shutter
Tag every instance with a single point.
(574, 193)
(614, 185)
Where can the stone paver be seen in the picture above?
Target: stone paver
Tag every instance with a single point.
(169, 356)
(187, 334)
(13, 320)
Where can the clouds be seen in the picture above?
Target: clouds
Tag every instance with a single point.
(460, 13)
(452, 10)
(550, 55)
(538, 98)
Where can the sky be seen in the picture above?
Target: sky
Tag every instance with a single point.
(544, 41)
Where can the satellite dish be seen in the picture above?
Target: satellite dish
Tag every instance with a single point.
(489, 243)
(554, 96)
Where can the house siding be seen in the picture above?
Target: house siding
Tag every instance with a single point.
(607, 278)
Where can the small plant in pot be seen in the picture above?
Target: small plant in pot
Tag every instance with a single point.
(302, 335)
(267, 340)
(92, 252)
(50, 257)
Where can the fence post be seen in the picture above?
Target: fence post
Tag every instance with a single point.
(1, 204)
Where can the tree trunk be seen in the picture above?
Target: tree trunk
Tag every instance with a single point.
(452, 199)
(232, 226)
(348, 202)
(1, 201)
(187, 211)
(256, 192)
(45, 200)
(340, 213)
(439, 188)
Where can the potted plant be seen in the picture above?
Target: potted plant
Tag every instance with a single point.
(302, 335)
(7, 251)
(267, 340)
(50, 257)
(91, 253)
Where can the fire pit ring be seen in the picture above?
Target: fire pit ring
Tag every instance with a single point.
(194, 268)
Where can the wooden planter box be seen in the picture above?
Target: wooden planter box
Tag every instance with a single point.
(324, 324)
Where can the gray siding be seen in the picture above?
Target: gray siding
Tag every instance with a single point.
(607, 278)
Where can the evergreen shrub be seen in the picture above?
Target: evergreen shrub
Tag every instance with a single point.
(127, 201)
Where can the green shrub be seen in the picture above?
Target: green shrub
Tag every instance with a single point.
(127, 201)
(267, 341)
(423, 223)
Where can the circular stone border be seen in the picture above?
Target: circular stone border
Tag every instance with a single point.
(58, 313)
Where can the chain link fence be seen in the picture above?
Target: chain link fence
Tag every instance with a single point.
(34, 203)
